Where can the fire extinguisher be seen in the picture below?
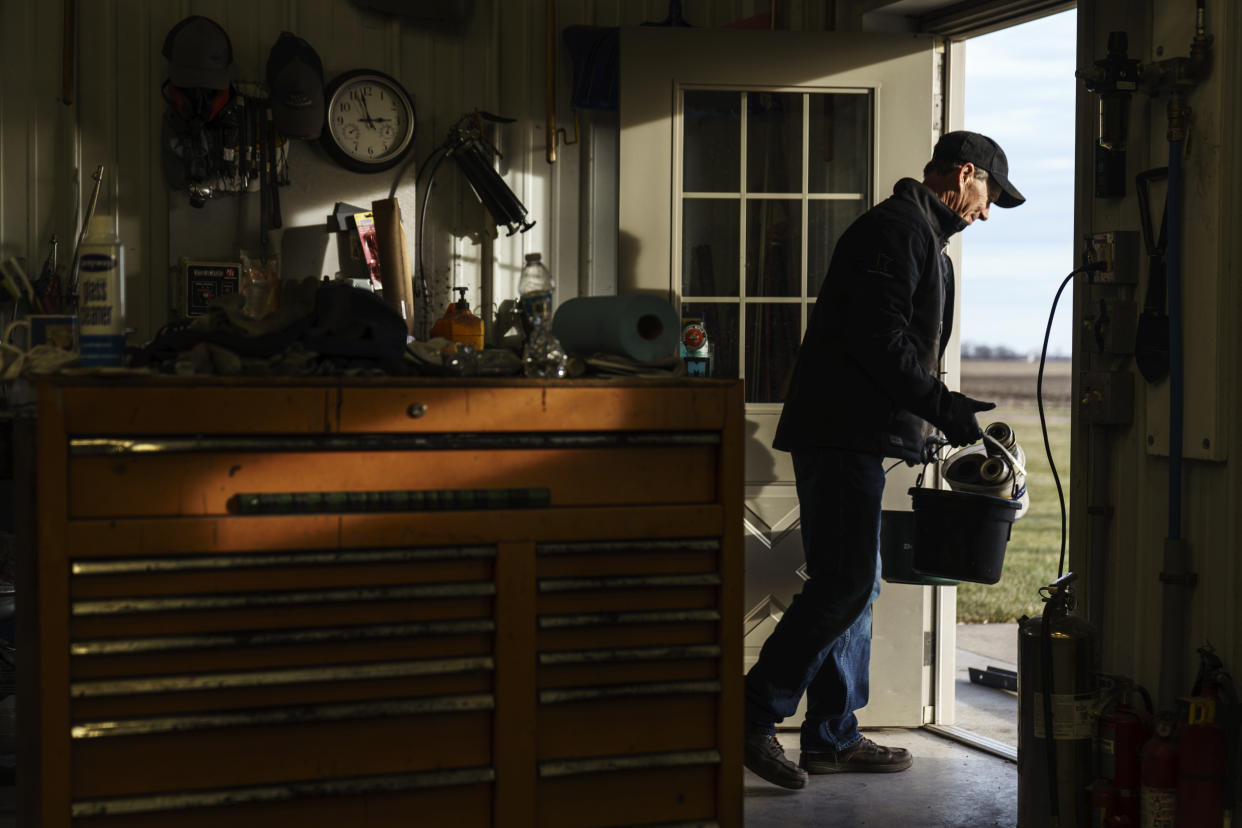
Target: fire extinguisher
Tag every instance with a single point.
(1158, 777)
(1201, 774)
(1058, 654)
(1205, 748)
(1122, 730)
(1102, 800)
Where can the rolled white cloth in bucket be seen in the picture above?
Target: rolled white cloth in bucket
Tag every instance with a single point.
(637, 326)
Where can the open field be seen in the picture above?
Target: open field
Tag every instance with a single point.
(1012, 381)
(1035, 542)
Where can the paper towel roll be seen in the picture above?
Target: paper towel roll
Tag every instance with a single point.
(641, 327)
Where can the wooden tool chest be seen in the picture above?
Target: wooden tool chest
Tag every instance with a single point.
(380, 602)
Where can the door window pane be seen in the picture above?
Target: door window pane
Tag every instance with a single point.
(773, 247)
(720, 322)
(826, 220)
(772, 338)
(713, 136)
(710, 247)
(799, 148)
(774, 142)
(838, 158)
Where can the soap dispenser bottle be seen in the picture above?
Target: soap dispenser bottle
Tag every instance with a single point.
(460, 325)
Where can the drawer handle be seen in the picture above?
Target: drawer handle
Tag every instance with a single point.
(416, 410)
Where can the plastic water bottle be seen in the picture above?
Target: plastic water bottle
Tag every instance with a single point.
(543, 357)
(101, 295)
(535, 290)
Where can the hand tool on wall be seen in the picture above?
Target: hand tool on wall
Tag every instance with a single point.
(243, 142)
(273, 176)
(256, 105)
(48, 284)
(86, 220)
(1151, 336)
(260, 163)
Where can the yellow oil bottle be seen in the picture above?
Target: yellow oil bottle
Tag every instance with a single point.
(460, 325)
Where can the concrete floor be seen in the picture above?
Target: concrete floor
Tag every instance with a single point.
(950, 785)
(987, 711)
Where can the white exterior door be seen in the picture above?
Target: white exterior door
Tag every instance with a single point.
(743, 157)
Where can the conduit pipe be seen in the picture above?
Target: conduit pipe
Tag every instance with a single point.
(1174, 286)
(1176, 576)
(1181, 74)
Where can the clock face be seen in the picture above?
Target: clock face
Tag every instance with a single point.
(370, 121)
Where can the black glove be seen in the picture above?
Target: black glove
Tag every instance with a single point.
(960, 425)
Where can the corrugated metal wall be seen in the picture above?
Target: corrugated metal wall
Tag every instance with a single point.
(48, 150)
(36, 186)
(1129, 467)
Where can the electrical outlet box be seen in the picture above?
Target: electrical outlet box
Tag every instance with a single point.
(1119, 251)
(1107, 397)
(1109, 326)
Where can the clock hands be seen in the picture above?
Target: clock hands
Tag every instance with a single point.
(368, 120)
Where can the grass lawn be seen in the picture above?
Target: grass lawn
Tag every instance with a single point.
(1035, 543)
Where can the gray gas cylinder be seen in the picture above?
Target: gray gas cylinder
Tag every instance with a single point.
(1060, 650)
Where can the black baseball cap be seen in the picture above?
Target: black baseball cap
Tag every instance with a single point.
(984, 153)
(199, 54)
(295, 87)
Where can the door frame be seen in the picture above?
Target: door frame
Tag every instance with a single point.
(647, 261)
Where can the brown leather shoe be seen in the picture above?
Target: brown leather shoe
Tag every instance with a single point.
(864, 757)
(765, 756)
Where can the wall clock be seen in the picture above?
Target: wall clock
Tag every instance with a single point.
(369, 121)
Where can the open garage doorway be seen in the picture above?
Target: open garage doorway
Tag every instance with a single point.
(1019, 89)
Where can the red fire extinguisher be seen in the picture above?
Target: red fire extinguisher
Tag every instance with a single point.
(1100, 794)
(1201, 774)
(1158, 778)
(1123, 729)
(1205, 746)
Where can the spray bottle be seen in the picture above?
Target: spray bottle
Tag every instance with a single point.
(101, 295)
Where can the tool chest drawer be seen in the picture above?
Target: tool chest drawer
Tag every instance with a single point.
(122, 483)
(324, 602)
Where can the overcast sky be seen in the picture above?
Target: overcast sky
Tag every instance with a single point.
(1020, 91)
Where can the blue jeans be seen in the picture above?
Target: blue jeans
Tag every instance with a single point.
(822, 645)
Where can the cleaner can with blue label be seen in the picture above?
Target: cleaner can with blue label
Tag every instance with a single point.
(101, 295)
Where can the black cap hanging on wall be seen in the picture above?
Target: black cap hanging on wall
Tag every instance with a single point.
(199, 54)
(295, 87)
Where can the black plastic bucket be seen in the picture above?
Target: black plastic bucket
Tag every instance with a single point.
(961, 535)
(897, 551)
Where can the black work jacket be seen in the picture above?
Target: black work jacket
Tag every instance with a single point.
(866, 375)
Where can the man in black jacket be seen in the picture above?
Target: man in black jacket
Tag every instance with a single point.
(865, 387)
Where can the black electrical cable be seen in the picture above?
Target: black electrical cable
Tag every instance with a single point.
(1055, 601)
(443, 153)
(1039, 399)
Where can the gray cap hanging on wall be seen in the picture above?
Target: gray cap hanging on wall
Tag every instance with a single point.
(295, 87)
(199, 54)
